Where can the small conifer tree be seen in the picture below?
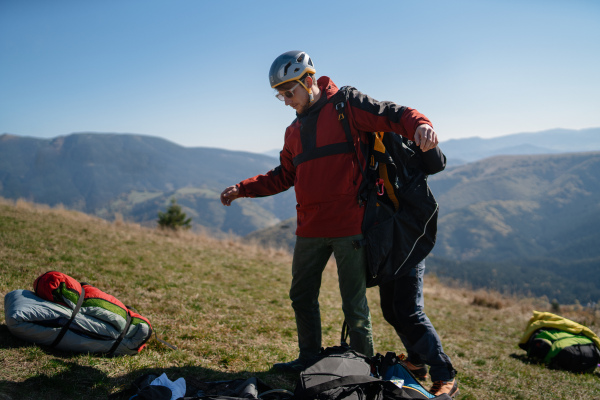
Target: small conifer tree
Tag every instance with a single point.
(174, 218)
(555, 306)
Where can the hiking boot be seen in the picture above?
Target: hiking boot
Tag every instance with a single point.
(441, 387)
(418, 370)
(297, 365)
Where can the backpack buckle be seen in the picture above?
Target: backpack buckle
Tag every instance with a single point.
(339, 107)
(373, 165)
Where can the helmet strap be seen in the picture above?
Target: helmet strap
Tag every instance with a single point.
(311, 97)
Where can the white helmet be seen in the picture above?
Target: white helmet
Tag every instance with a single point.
(289, 66)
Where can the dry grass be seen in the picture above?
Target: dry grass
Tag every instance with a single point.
(225, 305)
(490, 299)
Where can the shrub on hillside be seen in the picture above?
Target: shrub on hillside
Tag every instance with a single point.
(174, 218)
(490, 299)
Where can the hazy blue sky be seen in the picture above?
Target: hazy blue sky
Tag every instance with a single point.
(195, 71)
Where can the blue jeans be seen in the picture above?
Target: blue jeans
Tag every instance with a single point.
(402, 304)
(310, 258)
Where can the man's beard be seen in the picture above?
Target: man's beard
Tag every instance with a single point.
(304, 108)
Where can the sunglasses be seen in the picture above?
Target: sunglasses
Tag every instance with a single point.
(288, 93)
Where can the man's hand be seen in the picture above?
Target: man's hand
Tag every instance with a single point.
(229, 195)
(425, 137)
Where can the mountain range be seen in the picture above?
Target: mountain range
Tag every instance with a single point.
(502, 218)
(554, 141)
(462, 151)
(135, 176)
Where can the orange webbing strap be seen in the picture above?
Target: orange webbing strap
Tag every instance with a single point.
(383, 173)
(389, 188)
(378, 143)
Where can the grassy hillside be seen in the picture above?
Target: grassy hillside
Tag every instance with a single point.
(225, 306)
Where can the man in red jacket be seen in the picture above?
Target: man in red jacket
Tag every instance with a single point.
(323, 166)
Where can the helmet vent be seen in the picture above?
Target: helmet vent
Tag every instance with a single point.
(285, 69)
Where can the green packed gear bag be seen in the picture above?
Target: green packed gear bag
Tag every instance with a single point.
(561, 343)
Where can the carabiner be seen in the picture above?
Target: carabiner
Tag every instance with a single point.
(379, 183)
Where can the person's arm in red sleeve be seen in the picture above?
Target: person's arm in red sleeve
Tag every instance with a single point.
(278, 180)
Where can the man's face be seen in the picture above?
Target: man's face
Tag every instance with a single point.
(299, 100)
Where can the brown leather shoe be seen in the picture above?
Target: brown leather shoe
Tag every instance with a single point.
(418, 370)
(441, 387)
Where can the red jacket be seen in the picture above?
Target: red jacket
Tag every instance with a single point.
(317, 160)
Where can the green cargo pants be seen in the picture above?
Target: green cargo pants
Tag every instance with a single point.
(310, 257)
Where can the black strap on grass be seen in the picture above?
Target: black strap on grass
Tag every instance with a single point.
(65, 328)
(163, 342)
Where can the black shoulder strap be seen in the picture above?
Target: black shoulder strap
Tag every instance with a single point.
(310, 151)
(340, 106)
(327, 150)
